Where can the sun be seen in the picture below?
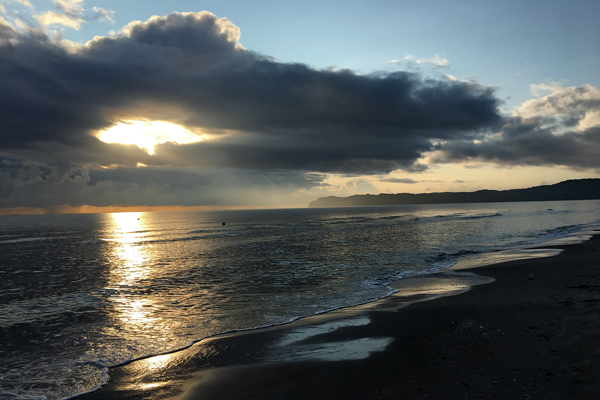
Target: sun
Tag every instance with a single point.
(147, 134)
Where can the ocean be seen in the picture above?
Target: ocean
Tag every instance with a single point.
(83, 292)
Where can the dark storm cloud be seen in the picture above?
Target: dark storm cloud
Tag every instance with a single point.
(189, 67)
(267, 96)
(302, 150)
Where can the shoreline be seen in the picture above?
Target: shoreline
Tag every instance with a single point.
(448, 347)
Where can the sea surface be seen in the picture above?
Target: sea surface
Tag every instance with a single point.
(80, 293)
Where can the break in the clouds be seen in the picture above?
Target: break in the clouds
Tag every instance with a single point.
(271, 125)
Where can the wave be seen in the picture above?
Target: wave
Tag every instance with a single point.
(443, 263)
(192, 238)
(204, 231)
(555, 233)
(358, 220)
(216, 230)
(393, 217)
(349, 221)
(458, 216)
(441, 216)
(31, 239)
(91, 240)
(465, 253)
(483, 216)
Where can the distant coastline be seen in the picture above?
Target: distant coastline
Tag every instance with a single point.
(576, 189)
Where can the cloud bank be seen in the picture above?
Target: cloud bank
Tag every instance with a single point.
(562, 128)
(270, 125)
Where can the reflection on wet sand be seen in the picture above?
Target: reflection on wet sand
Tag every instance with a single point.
(446, 283)
(146, 374)
(481, 260)
(302, 344)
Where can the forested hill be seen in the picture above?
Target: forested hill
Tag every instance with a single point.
(580, 189)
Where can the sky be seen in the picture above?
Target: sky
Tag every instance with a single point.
(141, 105)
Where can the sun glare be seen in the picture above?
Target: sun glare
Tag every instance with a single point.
(147, 134)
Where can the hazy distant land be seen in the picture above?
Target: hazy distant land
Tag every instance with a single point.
(577, 189)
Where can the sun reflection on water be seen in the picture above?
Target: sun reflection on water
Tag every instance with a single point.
(135, 309)
(129, 254)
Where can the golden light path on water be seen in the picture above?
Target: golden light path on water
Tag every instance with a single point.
(131, 262)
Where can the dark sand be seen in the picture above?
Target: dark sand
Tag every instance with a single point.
(532, 334)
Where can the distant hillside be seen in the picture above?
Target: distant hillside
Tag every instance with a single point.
(580, 189)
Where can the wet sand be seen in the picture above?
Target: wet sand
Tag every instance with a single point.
(534, 333)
